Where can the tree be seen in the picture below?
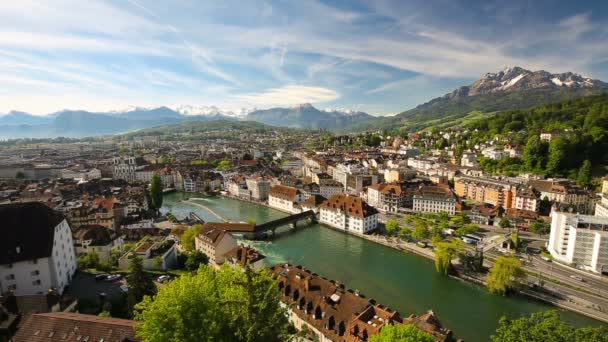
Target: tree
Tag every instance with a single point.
(251, 221)
(224, 165)
(140, 283)
(445, 252)
(420, 233)
(392, 226)
(20, 175)
(534, 155)
(195, 259)
(90, 260)
(401, 333)
(405, 232)
(468, 229)
(540, 227)
(189, 236)
(457, 220)
(584, 173)
(515, 239)
(156, 192)
(230, 304)
(557, 156)
(544, 326)
(504, 223)
(504, 274)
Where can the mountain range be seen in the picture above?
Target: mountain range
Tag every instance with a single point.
(509, 89)
(307, 116)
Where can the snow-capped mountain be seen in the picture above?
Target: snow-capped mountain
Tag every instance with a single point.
(211, 110)
(515, 79)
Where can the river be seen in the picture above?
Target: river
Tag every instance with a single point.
(402, 281)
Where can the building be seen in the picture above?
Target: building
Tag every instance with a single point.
(485, 190)
(215, 243)
(435, 199)
(527, 199)
(386, 197)
(284, 197)
(348, 213)
(125, 167)
(468, 159)
(565, 191)
(580, 240)
(601, 207)
(155, 253)
(67, 326)
(36, 249)
(259, 188)
(331, 312)
(97, 239)
(245, 256)
(330, 187)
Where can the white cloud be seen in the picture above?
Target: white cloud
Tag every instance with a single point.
(289, 95)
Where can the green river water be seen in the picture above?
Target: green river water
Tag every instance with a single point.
(402, 281)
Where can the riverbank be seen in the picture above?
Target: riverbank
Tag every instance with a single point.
(398, 244)
(406, 281)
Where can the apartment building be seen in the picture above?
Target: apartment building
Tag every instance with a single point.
(434, 199)
(527, 199)
(485, 190)
(36, 249)
(580, 240)
(348, 213)
(215, 243)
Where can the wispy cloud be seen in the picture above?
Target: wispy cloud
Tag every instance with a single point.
(289, 95)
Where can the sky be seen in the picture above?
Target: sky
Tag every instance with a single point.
(378, 56)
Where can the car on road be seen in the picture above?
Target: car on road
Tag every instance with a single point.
(547, 259)
(113, 277)
(163, 278)
(100, 277)
(577, 278)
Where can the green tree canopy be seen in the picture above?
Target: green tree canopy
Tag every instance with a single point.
(189, 235)
(156, 192)
(467, 229)
(140, 283)
(401, 333)
(392, 226)
(224, 165)
(540, 227)
(225, 305)
(584, 173)
(504, 223)
(545, 326)
(504, 274)
(420, 233)
(195, 259)
(445, 252)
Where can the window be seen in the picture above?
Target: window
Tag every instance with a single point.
(10, 277)
(35, 273)
(36, 282)
(12, 287)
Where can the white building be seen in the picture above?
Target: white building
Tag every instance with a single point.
(527, 199)
(468, 159)
(215, 243)
(580, 240)
(348, 213)
(434, 199)
(259, 188)
(284, 197)
(601, 208)
(36, 249)
(125, 167)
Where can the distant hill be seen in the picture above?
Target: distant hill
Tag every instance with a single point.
(307, 116)
(509, 89)
(70, 123)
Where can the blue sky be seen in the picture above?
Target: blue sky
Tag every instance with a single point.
(382, 57)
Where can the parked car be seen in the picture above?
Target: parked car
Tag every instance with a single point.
(163, 278)
(113, 277)
(100, 277)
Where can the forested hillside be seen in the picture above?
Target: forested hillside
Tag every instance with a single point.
(579, 140)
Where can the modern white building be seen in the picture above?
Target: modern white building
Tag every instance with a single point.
(580, 240)
(36, 249)
(601, 207)
(348, 213)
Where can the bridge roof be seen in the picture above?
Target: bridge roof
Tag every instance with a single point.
(231, 227)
